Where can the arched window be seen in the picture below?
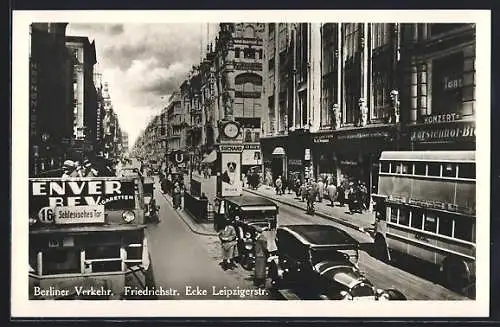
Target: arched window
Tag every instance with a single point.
(249, 32)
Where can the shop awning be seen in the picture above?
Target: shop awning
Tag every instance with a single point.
(212, 156)
(279, 151)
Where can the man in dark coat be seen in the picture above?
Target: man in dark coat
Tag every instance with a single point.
(260, 260)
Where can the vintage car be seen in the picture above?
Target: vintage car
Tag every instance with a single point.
(320, 262)
(249, 215)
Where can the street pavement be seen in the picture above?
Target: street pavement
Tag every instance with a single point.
(181, 258)
(361, 221)
(199, 266)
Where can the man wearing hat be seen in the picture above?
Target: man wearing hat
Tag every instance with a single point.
(88, 171)
(69, 169)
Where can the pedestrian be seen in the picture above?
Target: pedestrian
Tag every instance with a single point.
(68, 169)
(227, 237)
(177, 196)
(278, 184)
(331, 190)
(88, 170)
(311, 197)
(321, 190)
(260, 260)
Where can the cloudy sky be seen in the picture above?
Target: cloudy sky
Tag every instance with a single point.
(143, 64)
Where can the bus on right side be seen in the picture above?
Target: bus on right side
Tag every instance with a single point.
(425, 207)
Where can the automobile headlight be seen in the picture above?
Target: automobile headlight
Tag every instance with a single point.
(32, 221)
(128, 216)
(382, 295)
(346, 296)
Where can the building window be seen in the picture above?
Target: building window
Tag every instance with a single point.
(249, 32)
(329, 71)
(249, 53)
(352, 71)
(448, 84)
(381, 34)
(237, 52)
(248, 136)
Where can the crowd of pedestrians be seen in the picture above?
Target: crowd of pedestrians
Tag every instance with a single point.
(354, 193)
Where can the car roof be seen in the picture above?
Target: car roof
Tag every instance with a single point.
(319, 234)
(250, 200)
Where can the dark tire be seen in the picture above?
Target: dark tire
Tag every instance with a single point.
(396, 295)
(455, 274)
(380, 249)
(246, 263)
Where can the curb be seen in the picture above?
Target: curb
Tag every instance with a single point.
(180, 214)
(317, 213)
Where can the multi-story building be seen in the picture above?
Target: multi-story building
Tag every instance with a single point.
(100, 114)
(176, 124)
(83, 57)
(239, 72)
(358, 89)
(125, 145)
(50, 102)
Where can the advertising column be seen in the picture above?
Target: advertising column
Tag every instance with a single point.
(229, 181)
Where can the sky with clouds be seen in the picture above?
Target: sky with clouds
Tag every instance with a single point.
(143, 64)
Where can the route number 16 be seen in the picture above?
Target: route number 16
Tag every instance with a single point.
(46, 215)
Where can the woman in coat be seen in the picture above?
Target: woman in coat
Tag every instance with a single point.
(331, 189)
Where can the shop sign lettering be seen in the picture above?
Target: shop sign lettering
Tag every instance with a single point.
(230, 148)
(363, 135)
(441, 118)
(295, 162)
(327, 138)
(443, 134)
(251, 146)
(452, 83)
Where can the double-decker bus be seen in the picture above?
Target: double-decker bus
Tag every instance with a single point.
(426, 208)
(87, 237)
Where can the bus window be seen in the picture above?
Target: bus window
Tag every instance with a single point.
(407, 168)
(395, 167)
(404, 216)
(61, 261)
(417, 219)
(420, 168)
(384, 167)
(450, 170)
(430, 222)
(434, 169)
(394, 215)
(445, 225)
(464, 229)
(467, 170)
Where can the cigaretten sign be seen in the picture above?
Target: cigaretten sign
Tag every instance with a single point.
(79, 214)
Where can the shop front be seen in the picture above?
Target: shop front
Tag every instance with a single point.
(352, 155)
(274, 156)
(443, 135)
(251, 157)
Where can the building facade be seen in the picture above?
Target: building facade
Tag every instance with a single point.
(357, 89)
(50, 97)
(83, 56)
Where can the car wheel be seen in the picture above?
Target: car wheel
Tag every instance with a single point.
(455, 274)
(246, 262)
(380, 249)
(396, 295)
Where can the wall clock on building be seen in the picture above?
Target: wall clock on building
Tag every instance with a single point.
(231, 130)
